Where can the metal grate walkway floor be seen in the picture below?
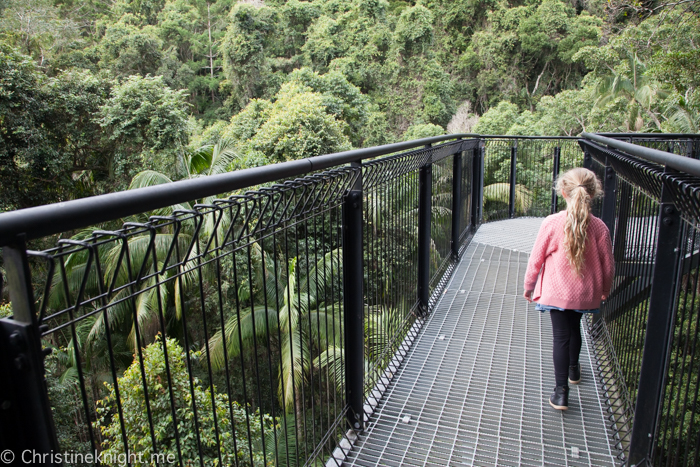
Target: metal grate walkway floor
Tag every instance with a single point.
(473, 388)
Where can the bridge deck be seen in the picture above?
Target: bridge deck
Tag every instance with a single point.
(473, 389)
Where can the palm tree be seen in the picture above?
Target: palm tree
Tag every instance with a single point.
(682, 114)
(637, 87)
(304, 321)
(144, 256)
(501, 192)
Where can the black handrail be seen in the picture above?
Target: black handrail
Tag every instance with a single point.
(650, 135)
(524, 137)
(683, 164)
(41, 221)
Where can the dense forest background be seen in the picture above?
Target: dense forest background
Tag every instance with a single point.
(94, 92)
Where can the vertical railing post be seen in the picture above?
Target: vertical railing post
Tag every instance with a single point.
(477, 185)
(609, 198)
(353, 303)
(555, 174)
(25, 412)
(456, 203)
(513, 162)
(609, 208)
(690, 149)
(587, 160)
(659, 328)
(425, 176)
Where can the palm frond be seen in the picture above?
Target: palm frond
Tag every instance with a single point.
(259, 322)
(331, 362)
(501, 192)
(295, 365)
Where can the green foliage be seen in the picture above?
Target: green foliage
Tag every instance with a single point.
(21, 118)
(5, 310)
(372, 68)
(423, 130)
(213, 432)
(144, 118)
(414, 30)
(244, 48)
(301, 122)
(129, 50)
(144, 11)
(38, 28)
(298, 127)
(497, 120)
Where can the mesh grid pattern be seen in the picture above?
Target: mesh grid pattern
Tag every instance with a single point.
(474, 385)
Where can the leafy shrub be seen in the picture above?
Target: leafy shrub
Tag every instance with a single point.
(221, 428)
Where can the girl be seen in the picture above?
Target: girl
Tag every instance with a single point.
(570, 271)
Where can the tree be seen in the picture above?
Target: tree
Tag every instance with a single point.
(632, 83)
(497, 120)
(23, 163)
(423, 130)
(244, 49)
(414, 30)
(298, 124)
(147, 122)
(37, 27)
(306, 323)
(129, 50)
(463, 121)
(221, 432)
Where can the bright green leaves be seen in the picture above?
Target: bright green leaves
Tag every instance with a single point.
(245, 51)
(127, 50)
(169, 391)
(414, 30)
(144, 117)
(497, 120)
(312, 114)
(299, 126)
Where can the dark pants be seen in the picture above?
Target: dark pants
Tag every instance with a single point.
(566, 331)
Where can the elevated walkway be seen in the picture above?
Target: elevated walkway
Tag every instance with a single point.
(473, 388)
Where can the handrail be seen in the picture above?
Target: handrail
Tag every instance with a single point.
(41, 221)
(650, 135)
(683, 164)
(524, 137)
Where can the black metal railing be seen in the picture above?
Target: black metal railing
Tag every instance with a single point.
(255, 318)
(519, 173)
(198, 323)
(646, 339)
(682, 144)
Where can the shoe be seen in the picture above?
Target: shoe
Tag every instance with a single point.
(575, 374)
(560, 398)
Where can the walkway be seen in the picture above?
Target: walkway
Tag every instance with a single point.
(474, 386)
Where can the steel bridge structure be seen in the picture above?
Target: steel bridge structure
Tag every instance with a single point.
(361, 308)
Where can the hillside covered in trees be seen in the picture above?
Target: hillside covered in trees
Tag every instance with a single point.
(93, 93)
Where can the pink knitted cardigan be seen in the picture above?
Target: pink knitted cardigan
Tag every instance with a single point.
(551, 276)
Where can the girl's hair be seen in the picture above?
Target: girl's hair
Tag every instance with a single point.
(580, 187)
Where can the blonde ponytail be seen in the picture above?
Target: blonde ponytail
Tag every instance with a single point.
(579, 187)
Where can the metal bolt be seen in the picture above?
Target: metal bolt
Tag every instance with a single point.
(16, 339)
(357, 425)
(21, 362)
(668, 221)
(668, 210)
